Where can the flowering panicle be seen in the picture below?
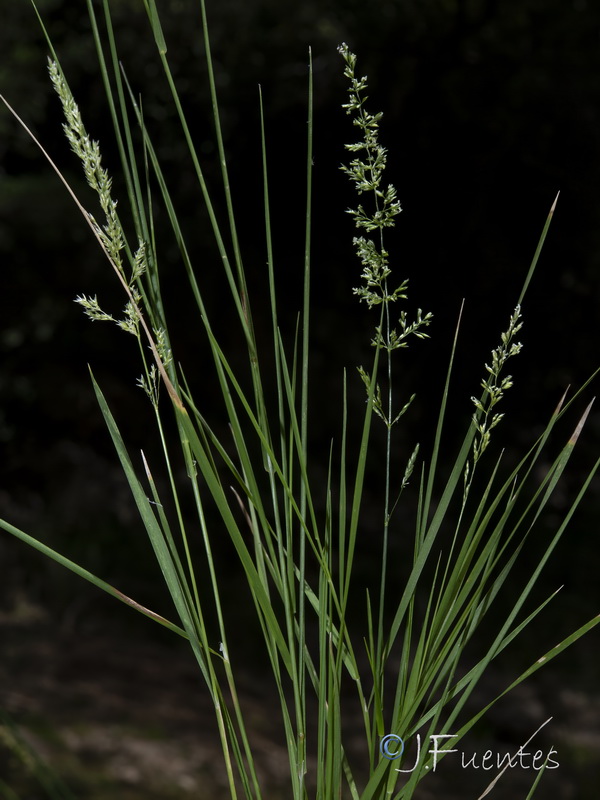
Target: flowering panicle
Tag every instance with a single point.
(88, 152)
(110, 234)
(366, 171)
(494, 386)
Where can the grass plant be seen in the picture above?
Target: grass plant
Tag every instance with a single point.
(416, 664)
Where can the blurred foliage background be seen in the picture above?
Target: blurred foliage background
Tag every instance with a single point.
(490, 108)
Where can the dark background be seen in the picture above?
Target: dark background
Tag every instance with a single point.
(490, 108)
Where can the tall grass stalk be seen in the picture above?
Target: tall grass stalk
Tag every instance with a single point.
(295, 544)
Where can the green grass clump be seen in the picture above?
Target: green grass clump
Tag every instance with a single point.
(415, 665)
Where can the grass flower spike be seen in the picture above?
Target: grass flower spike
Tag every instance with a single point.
(88, 152)
(366, 172)
(494, 386)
